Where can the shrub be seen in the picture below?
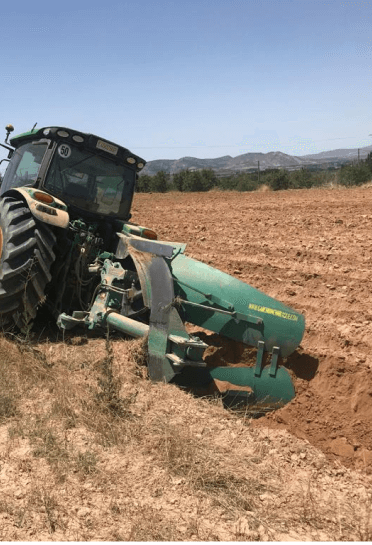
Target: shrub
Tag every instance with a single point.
(194, 182)
(301, 178)
(278, 179)
(209, 179)
(355, 174)
(143, 183)
(159, 182)
(246, 183)
(228, 183)
(178, 181)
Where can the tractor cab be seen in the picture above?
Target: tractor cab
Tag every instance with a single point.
(89, 174)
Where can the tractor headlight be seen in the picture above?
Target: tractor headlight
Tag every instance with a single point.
(43, 197)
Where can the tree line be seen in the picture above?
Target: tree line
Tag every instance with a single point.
(276, 179)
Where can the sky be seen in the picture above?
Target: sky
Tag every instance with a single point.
(201, 78)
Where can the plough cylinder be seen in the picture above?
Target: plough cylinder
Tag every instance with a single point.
(127, 325)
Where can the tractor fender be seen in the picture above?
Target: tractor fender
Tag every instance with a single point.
(42, 211)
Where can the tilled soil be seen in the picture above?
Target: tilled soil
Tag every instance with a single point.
(311, 249)
(91, 450)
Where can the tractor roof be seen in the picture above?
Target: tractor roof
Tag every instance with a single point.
(78, 138)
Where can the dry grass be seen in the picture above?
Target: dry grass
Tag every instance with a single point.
(263, 188)
(183, 455)
(94, 451)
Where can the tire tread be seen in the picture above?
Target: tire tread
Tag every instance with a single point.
(25, 263)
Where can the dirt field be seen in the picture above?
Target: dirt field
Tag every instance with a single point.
(91, 450)
(313, 251)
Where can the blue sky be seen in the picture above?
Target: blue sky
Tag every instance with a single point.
(175, 78)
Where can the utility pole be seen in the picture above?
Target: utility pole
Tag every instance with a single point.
(258, 170)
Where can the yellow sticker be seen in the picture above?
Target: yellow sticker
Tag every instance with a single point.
(274, 312)
(110, 148)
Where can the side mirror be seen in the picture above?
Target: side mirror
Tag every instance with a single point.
(9, 129)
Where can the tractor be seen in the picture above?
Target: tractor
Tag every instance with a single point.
(67, 244)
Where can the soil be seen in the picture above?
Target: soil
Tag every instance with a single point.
(91, 450)
(312, 250)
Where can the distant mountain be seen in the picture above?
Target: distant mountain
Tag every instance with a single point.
(341, 154)
(249, 161)
(241, 162)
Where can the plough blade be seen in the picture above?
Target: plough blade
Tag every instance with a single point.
(177, 289)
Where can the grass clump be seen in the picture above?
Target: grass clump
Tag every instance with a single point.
(43, 501)
(203, 468)
(86, 463)
(8, 406)
(108, 397)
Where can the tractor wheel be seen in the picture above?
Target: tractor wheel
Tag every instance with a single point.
(26, 255)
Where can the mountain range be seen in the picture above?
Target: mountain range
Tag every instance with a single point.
(227, 165)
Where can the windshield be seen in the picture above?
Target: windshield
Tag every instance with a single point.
(24, 167)
(90, 182)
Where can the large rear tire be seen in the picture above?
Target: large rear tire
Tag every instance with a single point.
(26, 256)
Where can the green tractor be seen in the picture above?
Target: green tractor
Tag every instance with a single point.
(67, 243)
